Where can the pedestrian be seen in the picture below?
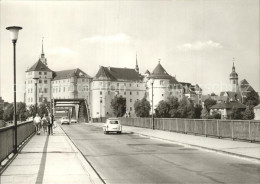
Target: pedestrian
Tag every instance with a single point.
(44, 124)
(37, 123)
(50, 123)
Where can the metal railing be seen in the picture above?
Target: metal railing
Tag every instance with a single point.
(234, 129)
(24, 130)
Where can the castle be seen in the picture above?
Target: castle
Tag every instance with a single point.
(43, 84)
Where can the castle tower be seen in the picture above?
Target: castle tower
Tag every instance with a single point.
(233, 77)
(42, 58)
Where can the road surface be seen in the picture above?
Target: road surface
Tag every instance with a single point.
(130, 158)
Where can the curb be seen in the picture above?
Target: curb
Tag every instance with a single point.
(93, 174)
(249, 158)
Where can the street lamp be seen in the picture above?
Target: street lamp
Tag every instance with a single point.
(152, 82)
(14, 30)
(100, 109)
(36, 82)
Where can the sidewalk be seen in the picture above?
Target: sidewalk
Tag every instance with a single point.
(237, 148)
(49, 160)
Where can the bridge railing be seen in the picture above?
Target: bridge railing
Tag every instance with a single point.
(234, 129)
(24, 130)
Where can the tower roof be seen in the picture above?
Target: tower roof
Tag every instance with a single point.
(159, 73)
(233, 73)
(147, 72)
(39, 66)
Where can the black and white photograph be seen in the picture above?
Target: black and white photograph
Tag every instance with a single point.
(129, 92)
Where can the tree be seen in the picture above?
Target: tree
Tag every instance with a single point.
(142, 108)
(21, 111)
(162, 110)
(236, 113)
(209, 103)
(32, 111)
(186, 108)
(1, 114)
(197, 111)
(173, 106)
(204, 113)
(9, 113)
(43, 108)
(118, 105)
(252, 98)
(249, 114)
(215, 115)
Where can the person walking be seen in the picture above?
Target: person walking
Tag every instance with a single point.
(44, 124)
(37, 123)
(50, 123)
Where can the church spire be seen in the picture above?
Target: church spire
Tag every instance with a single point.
(42, 46)
(233, 67)
(42, 58)
(136, 65)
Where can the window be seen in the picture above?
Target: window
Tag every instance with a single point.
(161, 82)
(45, 81)
(124, 93)
(130, 108)
(137, 85)
(117, 84)
(100, 83)
(40, 73)
(130, 85)
(40, 81)
(108, 92)
(59, 89)
(130, 100)
(130, 92)
(162, 94)
(64, 89)
(124, 84)
(137, 92)
(234, 82)
(100, 92)
(83, 80)
(45, 73)
(45, 90)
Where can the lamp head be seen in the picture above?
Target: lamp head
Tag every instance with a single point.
(14, 30)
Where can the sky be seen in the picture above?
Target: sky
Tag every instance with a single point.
(196, 40)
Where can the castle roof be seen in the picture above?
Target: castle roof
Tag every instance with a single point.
(117, 74)
(39, 66)
(159, 73)
(245, 86)
(65, 74)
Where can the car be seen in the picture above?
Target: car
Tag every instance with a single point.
(64, 120)
(73, 120)
(112, 125)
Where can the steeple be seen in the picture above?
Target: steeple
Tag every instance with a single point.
(136, 65)
(233, 67)
(42, 58)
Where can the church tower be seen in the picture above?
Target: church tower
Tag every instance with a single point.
(136, 65)
(233, 77)
(42, 58)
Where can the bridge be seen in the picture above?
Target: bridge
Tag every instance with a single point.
(81, 153)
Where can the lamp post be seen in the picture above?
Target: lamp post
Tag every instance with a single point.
(100, 109)
(14, 30)
(152, 82)
(36, 82)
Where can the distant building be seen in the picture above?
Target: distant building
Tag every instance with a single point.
(110, 82)
(193, 92)
(225, 108)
